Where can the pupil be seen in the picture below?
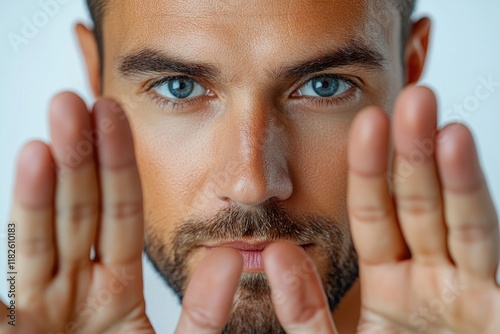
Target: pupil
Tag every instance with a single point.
(325, 86)
(181, 88)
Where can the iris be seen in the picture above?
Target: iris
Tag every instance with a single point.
(181, 87)
(325, 86)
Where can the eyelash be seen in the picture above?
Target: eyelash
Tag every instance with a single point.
(330, 102)
(163, 102)
(322, 102)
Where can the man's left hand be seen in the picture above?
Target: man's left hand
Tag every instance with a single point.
(425, 230)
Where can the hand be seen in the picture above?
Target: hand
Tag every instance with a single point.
(94, 201)
(428, 255)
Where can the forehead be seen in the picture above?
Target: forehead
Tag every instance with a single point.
(254, 32)
(239, 14)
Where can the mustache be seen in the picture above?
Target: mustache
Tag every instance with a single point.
(269, 222)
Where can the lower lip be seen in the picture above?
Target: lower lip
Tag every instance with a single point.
(252, 260)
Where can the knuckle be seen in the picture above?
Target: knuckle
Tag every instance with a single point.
(200, 318)
(124, 209)
(470, 232)
(29, 297)
(35, 246)
(371, 213)
(309, 314)
(311, 317)
(78, 212)
(417, 205)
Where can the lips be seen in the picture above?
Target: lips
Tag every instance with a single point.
(245, 246)
(251, 253)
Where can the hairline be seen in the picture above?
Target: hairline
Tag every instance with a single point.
(97, 9)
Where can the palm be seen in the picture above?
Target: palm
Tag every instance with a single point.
(408, 297)
(90, 301)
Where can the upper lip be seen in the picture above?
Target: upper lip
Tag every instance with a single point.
(246, 245)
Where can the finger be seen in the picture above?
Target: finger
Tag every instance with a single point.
(297, 292)
(120, 235)
(416, 182)
(470, 215)
(5, 314)
(32, 216)
(77, 196)
(375, 231)
(209, 297)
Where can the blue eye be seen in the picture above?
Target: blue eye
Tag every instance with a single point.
(324, 86)
(180, 88)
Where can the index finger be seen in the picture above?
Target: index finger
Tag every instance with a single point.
(209, 297)
(299, 299)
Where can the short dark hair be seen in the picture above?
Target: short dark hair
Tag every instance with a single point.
(97, 9)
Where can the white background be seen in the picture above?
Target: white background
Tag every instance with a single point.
(465, 47)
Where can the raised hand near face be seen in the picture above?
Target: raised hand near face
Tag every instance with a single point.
(83, 192)
(428, 254)
(428, 246)
(80, 192)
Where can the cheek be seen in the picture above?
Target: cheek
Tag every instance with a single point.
(171, 163)
(319, 167)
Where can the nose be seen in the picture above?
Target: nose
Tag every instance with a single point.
(254, 156)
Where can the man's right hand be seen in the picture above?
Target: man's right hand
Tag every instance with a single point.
(81, 193)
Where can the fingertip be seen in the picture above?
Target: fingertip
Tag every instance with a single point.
(288, 267)
(278, 251)
(228, 260)
(370, 114)
(368, 143)
(415, 94)
(65, 103)
(69, 117)
(297, 290)
(415, 119)
(108, 104)
(209, 296)
(35, 175)
(457, 158)
(455, 132)
(220, 267)
(280, 257)
(116, 145)
(412, 102)
(66, 96)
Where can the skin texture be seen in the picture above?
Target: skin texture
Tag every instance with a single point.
(250, 141)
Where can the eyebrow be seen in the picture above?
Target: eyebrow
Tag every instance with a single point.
(151, 61)
(352, 54)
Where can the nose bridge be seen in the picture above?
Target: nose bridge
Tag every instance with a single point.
(256, 154)
(253, 133)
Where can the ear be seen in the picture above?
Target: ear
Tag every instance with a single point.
(88, 46)
(416, 50)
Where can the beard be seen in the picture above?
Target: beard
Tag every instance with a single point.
(253, 310)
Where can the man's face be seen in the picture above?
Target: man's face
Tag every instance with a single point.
(241, 112)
